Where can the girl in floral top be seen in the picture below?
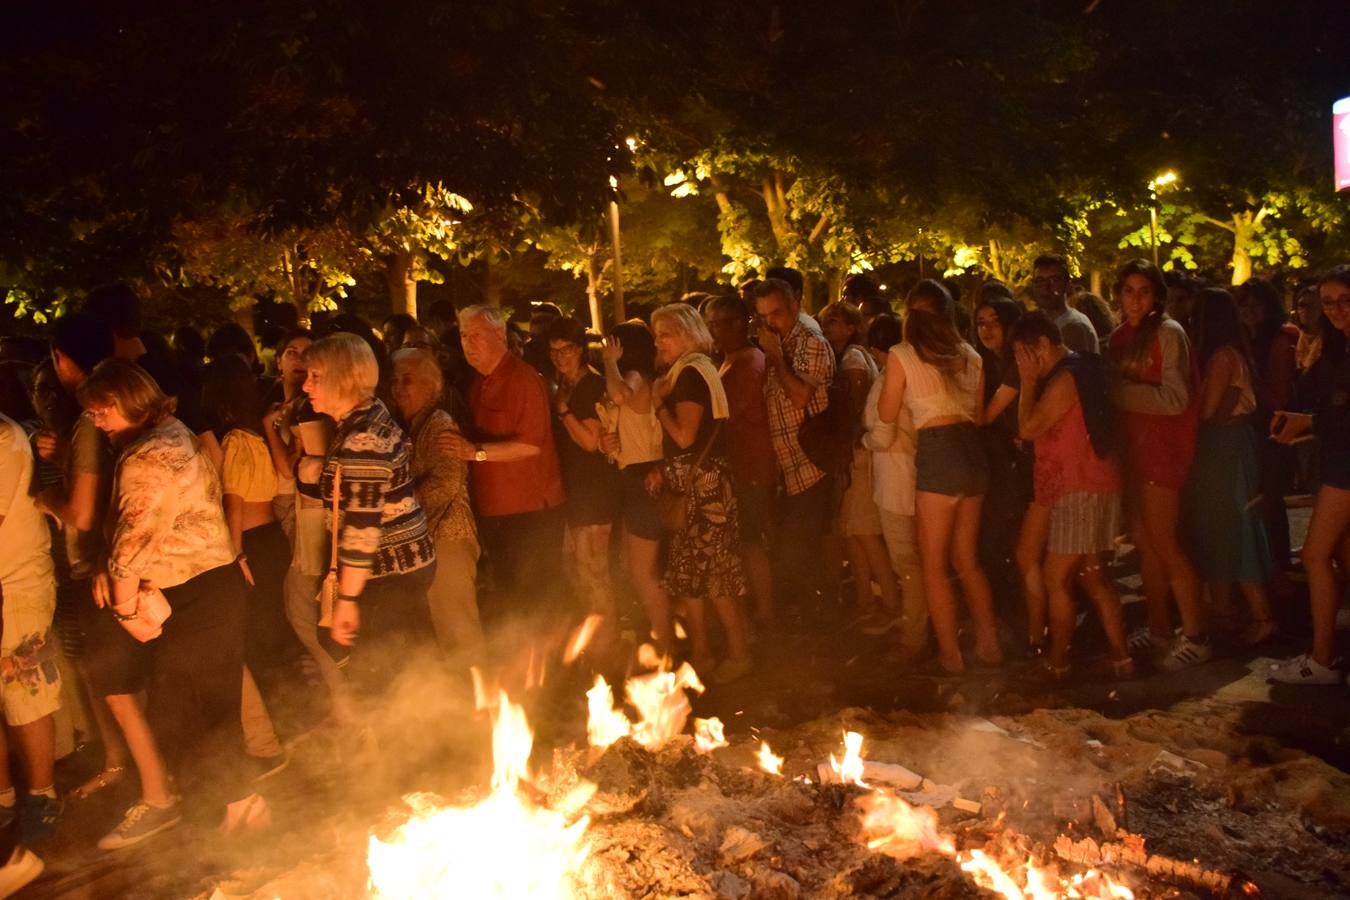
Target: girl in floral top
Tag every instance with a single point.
(167, 530)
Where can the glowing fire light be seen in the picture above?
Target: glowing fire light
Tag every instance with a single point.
(708, 735)
(768, 761)
(661, 703)
(582, 637)
(441, 851)
(850, 769)
(604, 724)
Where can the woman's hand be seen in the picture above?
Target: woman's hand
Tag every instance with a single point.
(46, 444)
(661, 389)
(272, 417)
(1290, 427)
(102, 587)
(248, 573)
(611, 350)
(609, 442)
(346, 622)
(654, 482)
(310, 469)
(561, 398)
(1028, 367)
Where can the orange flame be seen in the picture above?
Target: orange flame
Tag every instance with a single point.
(581, 637)
(768, 761)
(440, 851)
(850, 768)
(708, 735)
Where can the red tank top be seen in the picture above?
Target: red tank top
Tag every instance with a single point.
(1067, 464)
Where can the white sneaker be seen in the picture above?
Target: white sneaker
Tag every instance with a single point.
(1185, 653)
(1143, 641)
(1303, 669)
(23, 866)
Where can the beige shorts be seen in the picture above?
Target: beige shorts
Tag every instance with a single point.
(30, 675)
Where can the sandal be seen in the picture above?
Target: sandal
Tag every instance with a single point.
(107, 778)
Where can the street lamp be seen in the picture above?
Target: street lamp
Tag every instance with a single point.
(1154, 185)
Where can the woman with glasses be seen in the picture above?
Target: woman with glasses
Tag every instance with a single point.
(590, 481)
(1329, 421)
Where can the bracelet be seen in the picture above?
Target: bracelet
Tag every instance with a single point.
(126, 618)
(350, 598)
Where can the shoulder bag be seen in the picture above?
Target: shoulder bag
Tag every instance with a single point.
(673, 505)
(328, 590)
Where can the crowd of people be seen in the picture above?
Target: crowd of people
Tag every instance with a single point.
(184, 522)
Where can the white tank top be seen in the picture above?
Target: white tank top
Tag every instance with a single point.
(930, 395)
(639, 437)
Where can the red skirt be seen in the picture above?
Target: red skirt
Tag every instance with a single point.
(1159, 449)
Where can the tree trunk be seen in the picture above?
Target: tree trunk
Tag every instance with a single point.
(835, 284)
(402, 287)
(808, 293)
(593, 289)
(1095, 284)
(492, 286)
(1242, 260)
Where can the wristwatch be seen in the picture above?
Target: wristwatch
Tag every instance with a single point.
(479, 454)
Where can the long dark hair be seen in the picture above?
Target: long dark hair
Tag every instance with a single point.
(1273, 316)
(1138, 354)
(639, 348)
(1215, 324)
(934, 335)
(230, 392)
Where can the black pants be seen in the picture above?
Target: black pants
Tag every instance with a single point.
(395, 626)
(803, 520)
(269, 640)
(524, 554)
(194, 672)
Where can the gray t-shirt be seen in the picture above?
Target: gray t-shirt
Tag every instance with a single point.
(89, 452)
(1079, 335)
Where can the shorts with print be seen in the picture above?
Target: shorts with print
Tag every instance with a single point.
(30, 675)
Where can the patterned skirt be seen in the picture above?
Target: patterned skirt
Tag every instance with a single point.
(704, 559)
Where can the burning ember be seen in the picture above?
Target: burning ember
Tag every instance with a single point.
(555, 850)
(448, 851)
(768, 761)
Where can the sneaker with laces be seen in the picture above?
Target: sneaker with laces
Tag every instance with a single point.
(1185, 653)
(1303, 669)
(140, 822)
(39, 816)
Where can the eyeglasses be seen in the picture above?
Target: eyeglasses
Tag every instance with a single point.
(565, 348)
(1338, 303)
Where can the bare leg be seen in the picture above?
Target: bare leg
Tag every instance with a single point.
(130, 716)
(879, 562)
(733, 623)
(1059, 571)
(696, 614)
(37, 746)
(1262, 625)
(974, 584)
(1151, 571)
(1330, 520)
(642, 566)
(862, 574)
(1162, 510)
(1031, 538)
(1092, 578)
(936, 519)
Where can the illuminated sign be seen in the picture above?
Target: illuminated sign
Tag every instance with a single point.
(1340, 130)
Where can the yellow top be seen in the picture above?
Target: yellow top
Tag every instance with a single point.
(248, 471)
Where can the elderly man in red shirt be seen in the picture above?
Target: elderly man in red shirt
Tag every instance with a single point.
(516, 483)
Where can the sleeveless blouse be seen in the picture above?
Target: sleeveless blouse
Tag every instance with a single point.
(929, 394)
(1067, 464)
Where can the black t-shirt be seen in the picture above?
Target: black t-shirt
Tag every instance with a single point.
(691, 387)
(582, 471)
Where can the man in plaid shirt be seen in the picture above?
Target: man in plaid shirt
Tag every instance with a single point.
(801, 366)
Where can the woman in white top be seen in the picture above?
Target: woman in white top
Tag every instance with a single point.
(1228, 539)
(632, 439)
(939, 379)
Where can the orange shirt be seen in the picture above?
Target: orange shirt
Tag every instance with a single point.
(511, 404)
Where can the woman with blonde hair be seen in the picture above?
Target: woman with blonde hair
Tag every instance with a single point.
(704, 560)
(386, 557)
(168, 532)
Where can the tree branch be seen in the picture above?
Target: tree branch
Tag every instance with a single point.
(820, 227)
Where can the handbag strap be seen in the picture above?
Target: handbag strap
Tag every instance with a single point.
(333, 528)
(717, 427)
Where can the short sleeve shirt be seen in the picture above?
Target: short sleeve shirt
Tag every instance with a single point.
(810, 356)
(691, 387)
(26, 558)
(89, 454)
(748, 442)
(1079, 335)
(511, 404)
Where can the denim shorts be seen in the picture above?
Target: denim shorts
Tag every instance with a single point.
(951, 460)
